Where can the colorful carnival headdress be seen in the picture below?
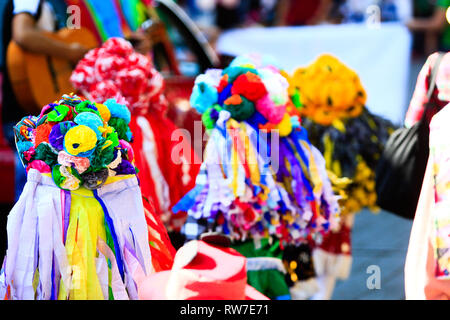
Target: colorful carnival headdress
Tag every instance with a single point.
(81, 143)
(331, 100)
(78, 230)
(318, 91)
(239, 189)
(115, 68)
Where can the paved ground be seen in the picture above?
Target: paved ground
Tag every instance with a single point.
(378, 239)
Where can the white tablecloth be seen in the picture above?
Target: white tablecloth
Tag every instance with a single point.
(381, 56)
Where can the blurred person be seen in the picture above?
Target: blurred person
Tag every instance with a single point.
(440, 96)
(427, 267)
(24, 22)
(355, 11)
(305, 12)
(435, 28)
(237, 13)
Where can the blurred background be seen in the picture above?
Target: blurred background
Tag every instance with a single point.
(386, 42)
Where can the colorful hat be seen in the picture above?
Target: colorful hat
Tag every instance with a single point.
(79, 226)
(331, 100)
(201, 271)
(260, 176)
(80, 142)
(115, 68)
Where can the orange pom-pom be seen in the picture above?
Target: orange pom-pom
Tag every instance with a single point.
(235, 99)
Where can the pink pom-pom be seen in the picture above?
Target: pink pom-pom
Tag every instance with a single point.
(127, 146)
(39, 165)
(265, 106)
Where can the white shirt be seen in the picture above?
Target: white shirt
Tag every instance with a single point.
(30, 6)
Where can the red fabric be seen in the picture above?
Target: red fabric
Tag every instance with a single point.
(161, 248)
(146, 183)
(163, 129)
(204, 272)
(300, 12)
(338, 242)
(7, 165)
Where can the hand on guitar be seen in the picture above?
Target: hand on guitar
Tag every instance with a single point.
(76, 52)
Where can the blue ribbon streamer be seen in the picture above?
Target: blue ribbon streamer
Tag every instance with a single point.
(113, 233)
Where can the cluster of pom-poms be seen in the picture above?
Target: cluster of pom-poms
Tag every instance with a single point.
(115, 68)
(239, 190)
(78, 142)
(245, 92)
(331, 99)
(327, 90)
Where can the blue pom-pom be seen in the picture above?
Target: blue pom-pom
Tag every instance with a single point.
(118, 110)
(224, 94)
(90, 120)
(203, 97)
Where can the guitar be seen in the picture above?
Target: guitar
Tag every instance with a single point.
(38, 79)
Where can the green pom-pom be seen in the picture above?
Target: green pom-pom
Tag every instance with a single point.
(240, 109)
(121, 127)
(114, 138)
(87, 106)
(102, 156)
(296, 99)
(58, 113)
(210, 116)
(71, 181)
(45, 153)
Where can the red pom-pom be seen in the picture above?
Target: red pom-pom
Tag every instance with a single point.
(250, 86)
(223, 83)
(42, 133)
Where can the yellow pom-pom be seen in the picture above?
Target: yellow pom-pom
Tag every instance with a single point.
(104, 111)
(80, 140)
(293, 264)
(285, 126)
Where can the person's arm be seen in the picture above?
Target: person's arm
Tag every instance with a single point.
(431, 27)
(26, 34)
(281, 12)
(435, 23)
